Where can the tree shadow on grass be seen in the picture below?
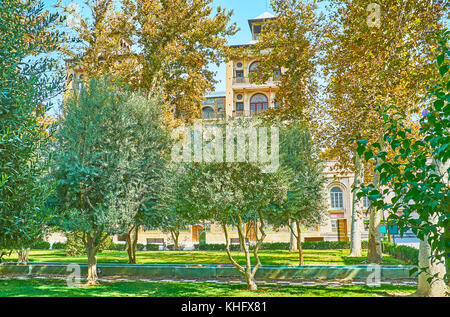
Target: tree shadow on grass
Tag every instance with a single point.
(59, 288)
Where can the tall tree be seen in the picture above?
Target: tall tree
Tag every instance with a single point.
(177, 42)
(101, 47)
(232, 193)
(168, 215)
(289, 44)
(151, 138)
(304, 204)
(416, 180)
(28, 80)
(369, 62)
(98, 168)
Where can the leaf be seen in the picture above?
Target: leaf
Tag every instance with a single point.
(444, 69)
(440, 59)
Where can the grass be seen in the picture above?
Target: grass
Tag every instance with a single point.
(58, 288)
(281, 257)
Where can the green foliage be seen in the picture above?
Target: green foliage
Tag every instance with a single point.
(59, 246)
(75, 245)
(117, 246)
(102, 160)
(307, 245)
(152, 247)
(305, 202)
(40, 245)
(417, 176)
(140, 247)
(28, 79)
(403, 252)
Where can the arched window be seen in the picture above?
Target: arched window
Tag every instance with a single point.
(258, 103)
(208, 113)
(337, 198)
(253, 67)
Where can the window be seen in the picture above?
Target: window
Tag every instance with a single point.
(256, 31)
(337, 198)
(208, 113)
(276, 104)
(239, 97)
(239, 73)
(239, 106)
(334, 225)
(258, 103)
(253, 67)
(277, 72)
(239, 65)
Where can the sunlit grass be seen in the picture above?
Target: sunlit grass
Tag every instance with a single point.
(58, 288)
(279, 257)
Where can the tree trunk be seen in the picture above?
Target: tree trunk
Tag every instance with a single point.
(132, 239)
(447, 246)
(92, 278)
(175, 237)
(299, 243)
(292, 244)
(23, 256)
(437, 287)
(374, 252)
(355, 236)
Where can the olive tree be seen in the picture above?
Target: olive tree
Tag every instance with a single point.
(98, 166)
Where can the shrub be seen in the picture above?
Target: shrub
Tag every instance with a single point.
(402, 252)
(152, 247)
(140, 247)
(59, 245)
(307, 245)
(41, 245)
(117, 247)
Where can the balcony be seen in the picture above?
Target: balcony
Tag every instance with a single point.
(247, 81)
(238, 113)
(241, 80)
(207, 115)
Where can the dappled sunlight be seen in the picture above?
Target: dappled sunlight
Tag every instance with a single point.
(58, 288)
(278, 257)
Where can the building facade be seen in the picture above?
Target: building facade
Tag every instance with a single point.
(242, 97)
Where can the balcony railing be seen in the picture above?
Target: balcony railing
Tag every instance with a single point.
(238, 113)
(246, 80)
(212, 115)
(241, 80)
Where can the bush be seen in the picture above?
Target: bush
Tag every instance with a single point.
(152, 247)
(308, 245)
(41, 245)
(75, 245)
(117, 247)
(402, 252)
(140, 247)
(59, 246)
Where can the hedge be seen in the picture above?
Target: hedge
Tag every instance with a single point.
(41, 245)
(58, 246)
(117, 247)
(401, 252)
(307, 245)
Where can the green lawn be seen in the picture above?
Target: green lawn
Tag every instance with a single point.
(311, 257)
(58, 288)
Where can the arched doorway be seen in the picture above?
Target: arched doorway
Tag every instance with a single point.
(258, 103)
